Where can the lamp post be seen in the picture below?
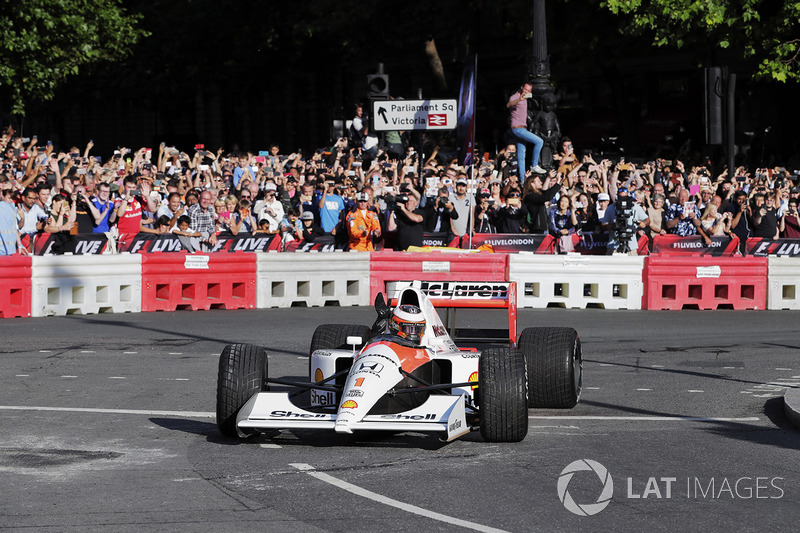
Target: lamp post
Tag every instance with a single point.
(539, 68)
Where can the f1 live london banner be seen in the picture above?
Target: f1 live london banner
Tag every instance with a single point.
(79, 244)
(695, 245)
(167, 242)
(762, 247)
(512, 242)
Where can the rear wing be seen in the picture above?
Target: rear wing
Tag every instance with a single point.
(453, 295)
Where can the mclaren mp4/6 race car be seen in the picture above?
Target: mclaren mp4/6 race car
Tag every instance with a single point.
(407, 374)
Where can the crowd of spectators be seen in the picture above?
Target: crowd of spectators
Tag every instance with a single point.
(387, 194)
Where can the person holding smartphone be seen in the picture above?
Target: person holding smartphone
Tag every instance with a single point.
(790, 221)
(518, 118)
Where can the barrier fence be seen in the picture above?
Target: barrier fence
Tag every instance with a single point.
(120, 283)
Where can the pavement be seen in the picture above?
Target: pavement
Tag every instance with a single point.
(791, 406)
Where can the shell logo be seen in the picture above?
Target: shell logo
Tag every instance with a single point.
(473, 377)
(318, 375)
(349, 404)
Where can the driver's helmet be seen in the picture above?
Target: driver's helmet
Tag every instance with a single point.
(407, 322)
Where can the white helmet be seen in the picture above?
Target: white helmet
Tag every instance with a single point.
(408, 322)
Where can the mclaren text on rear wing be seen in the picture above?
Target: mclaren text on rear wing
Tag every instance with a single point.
(464, 294)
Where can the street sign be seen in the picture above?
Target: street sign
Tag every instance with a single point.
(405, 115)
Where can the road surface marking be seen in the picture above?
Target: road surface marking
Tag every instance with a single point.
(129, 353)
(644, 389)
(116, 377)
(646, 418)
(271, 446)
(69, 376)
(364, 493)
(44, 351)
(657, 366)
(695, 390)
(87, 351)
(22, 376)
(175, 353)
(592, 388)
(188, 414)
(783, 369)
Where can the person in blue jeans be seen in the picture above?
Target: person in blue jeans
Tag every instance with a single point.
(518, 106)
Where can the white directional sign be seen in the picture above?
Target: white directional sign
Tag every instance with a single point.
(403, 115)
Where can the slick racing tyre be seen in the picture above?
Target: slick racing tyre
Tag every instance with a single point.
(333, 336)
(242, 373)
(502, 395)
(555, 366)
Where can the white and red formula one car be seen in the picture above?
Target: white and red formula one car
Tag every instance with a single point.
(407, 374)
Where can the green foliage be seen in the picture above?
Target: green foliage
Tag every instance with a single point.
(766, 30)
(43, 42)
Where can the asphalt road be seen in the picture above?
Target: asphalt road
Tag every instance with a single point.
(107, 424)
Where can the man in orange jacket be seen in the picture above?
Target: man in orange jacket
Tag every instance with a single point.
(362, 225)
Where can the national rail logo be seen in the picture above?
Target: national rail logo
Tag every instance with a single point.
(585, 509)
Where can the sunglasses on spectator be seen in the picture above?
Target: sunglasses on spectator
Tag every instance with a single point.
(513, 195)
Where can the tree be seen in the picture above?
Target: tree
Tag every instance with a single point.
(766, 30)
(43, 42)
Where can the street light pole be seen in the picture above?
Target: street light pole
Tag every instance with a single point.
(539, 69)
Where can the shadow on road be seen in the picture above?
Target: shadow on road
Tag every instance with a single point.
(316, 439)
(783, 435)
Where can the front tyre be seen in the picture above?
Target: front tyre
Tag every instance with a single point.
(555, 366)
(242, 373)
(502, 392)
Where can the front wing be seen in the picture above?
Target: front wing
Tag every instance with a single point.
(274, 410)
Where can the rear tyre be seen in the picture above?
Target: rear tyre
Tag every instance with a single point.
(242, 373)
(334, 336)
(555, 366)
(502, 392)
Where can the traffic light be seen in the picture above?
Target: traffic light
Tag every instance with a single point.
(378, 84)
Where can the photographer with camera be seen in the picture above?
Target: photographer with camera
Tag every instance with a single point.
(485, 213)
(408, 221)
(623, 221)
(439, 213)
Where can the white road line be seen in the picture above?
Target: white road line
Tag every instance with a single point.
(129, 353)
(270, 446)
(646, 418)
(45, 351)
(117, 377)
(69, 376)
(606, 364)
(175, 353)
(22, 376)
(695, 390)
(364, 493)
(592, 388)
(87, 351)
(783, 369)
(188, 414)
(656, 366)
(644, 389)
